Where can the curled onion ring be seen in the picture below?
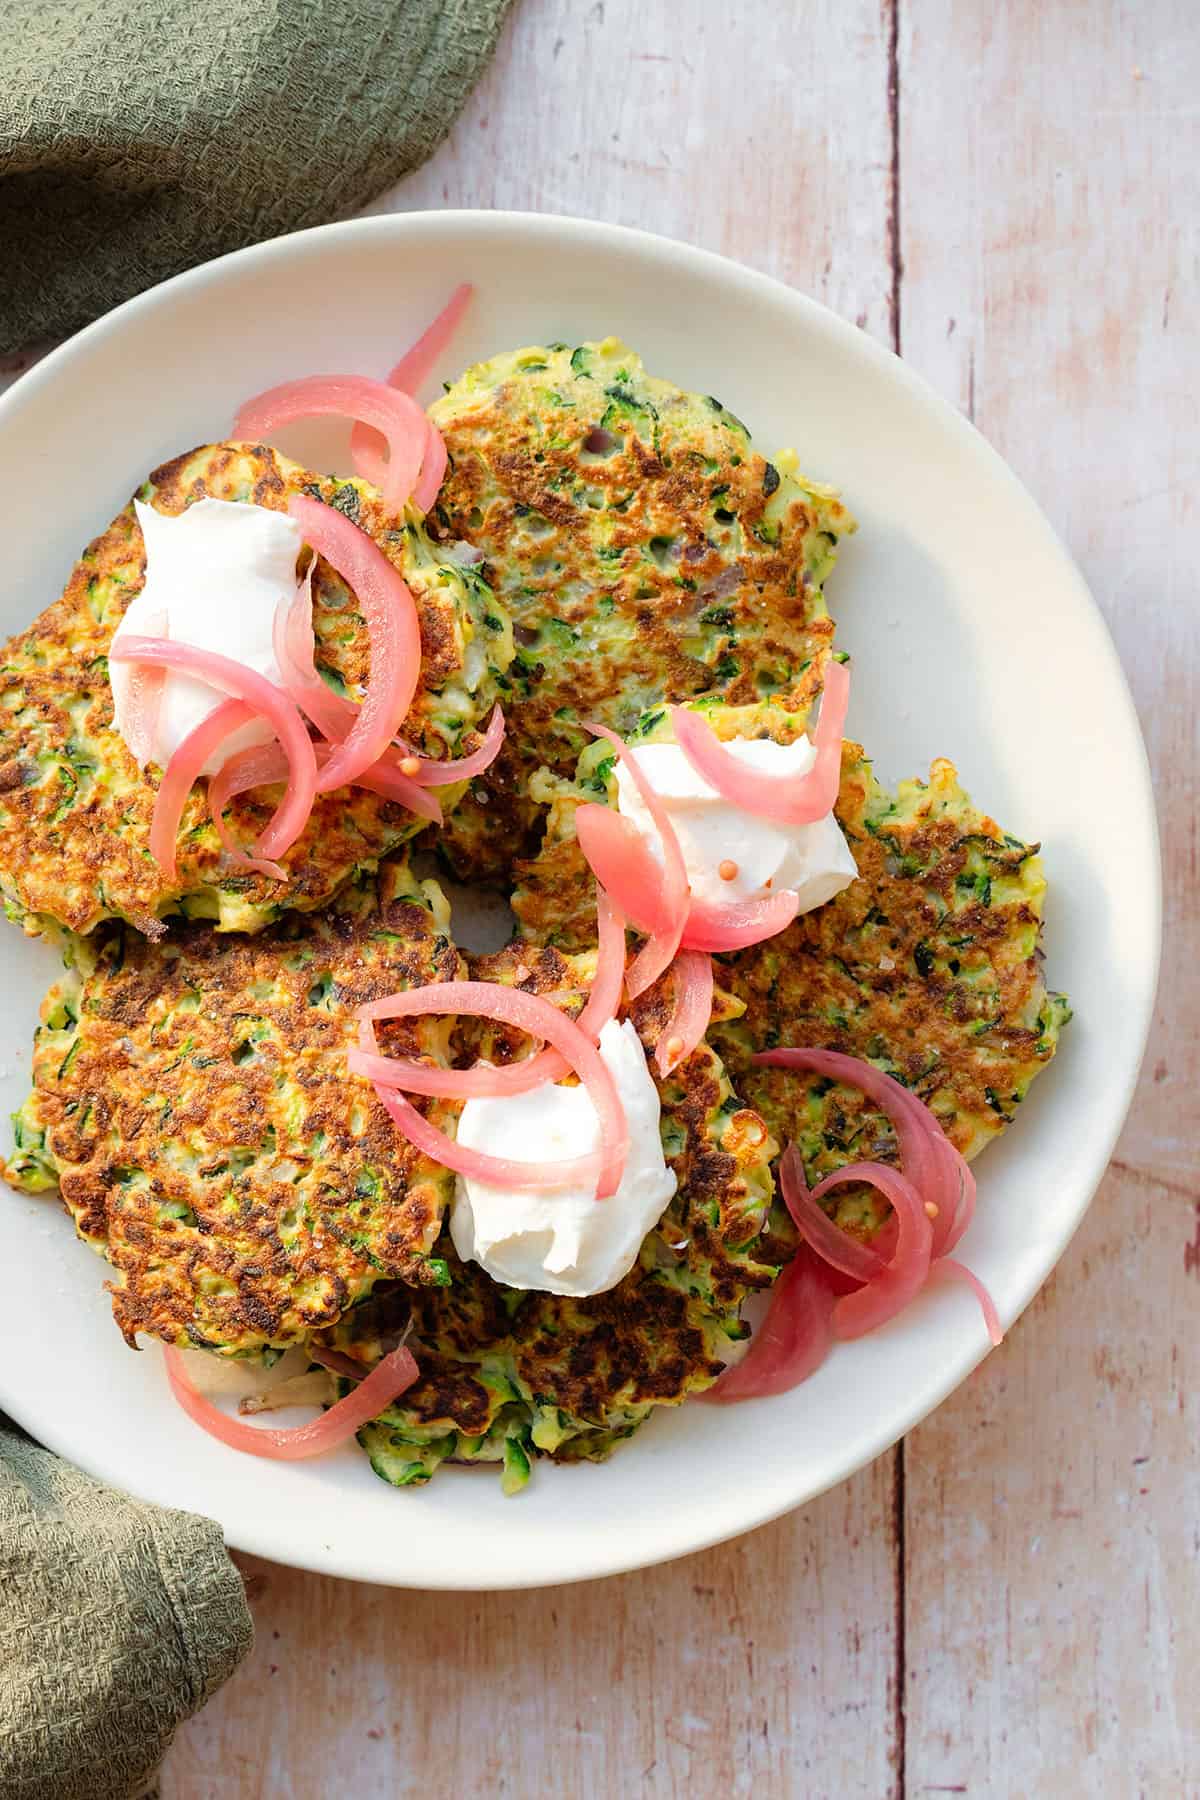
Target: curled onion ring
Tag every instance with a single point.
(366, 445)
(807, 1311)
(387, 605)
(396, 415)
(485, 1082)
(334, 716)
(265, 764)
(510, 1006)
(793, 1340)
(183, 770)
(672, 882)
(787, 799)
(386, 1382)
(902, 1277)
(740, 923)
(692, 1011)
(244, 684)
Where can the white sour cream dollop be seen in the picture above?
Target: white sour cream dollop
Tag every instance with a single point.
(813, 860)
(215, 574)
(563, 1241)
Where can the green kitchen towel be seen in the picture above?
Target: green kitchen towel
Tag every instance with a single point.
(118, 1620)
(138, 137)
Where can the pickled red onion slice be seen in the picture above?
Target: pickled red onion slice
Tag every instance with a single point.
(265, 765)
(295, 653)
(619, 856)
(499, 1171)
(793, 1340)
(624, 864)
(335, 1361)
(910, 1118)
(183, 770)
(608, 981)
(366, 445)
(865, 1262)
(221, 789)
(741, 923)
(950, 1265)
(433, 468)
(395, 414)
(485, 1082)
(905, 1274)
(372, 465)
(333, 715)
(935, 1168)
(953, 1218)
(672, 882)
(931, 1162)
(818, 1297)
(270, 702)
(833, 1245)
(141, 689)
(510, 1006)
(622, 861)
(787, 799)
(393, 629)
(417, 362)
(432, 771)
(385, 779)
(386, 1382)
(692, 1011)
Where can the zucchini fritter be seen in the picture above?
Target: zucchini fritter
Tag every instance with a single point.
(928, 965)
(75, 810)
(507, 1375)
(192, 1100)
(645, 550)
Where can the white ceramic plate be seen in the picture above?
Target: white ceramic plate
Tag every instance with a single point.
(974, 637)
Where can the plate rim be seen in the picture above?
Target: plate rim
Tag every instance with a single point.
(607, 1560)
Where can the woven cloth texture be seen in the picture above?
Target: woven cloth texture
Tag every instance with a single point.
(118, 1620)
(139, 137)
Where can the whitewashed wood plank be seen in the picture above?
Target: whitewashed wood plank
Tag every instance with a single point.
(1051, 1633)
(762, 132)
(1049, 199)
(762, 1668)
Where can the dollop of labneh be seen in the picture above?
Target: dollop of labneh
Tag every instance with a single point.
(564, 1240)
(215, 576)
(813, 861)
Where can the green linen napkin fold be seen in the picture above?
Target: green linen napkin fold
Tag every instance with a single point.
(138, 137)
(118, 1620)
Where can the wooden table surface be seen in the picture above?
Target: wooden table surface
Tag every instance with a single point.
(1007, 1603)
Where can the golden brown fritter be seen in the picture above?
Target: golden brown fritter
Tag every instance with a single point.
(715, 1147)
(645, 550)
(507, 1374)
(74, 809)
(928, 965)
(193, 1102)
